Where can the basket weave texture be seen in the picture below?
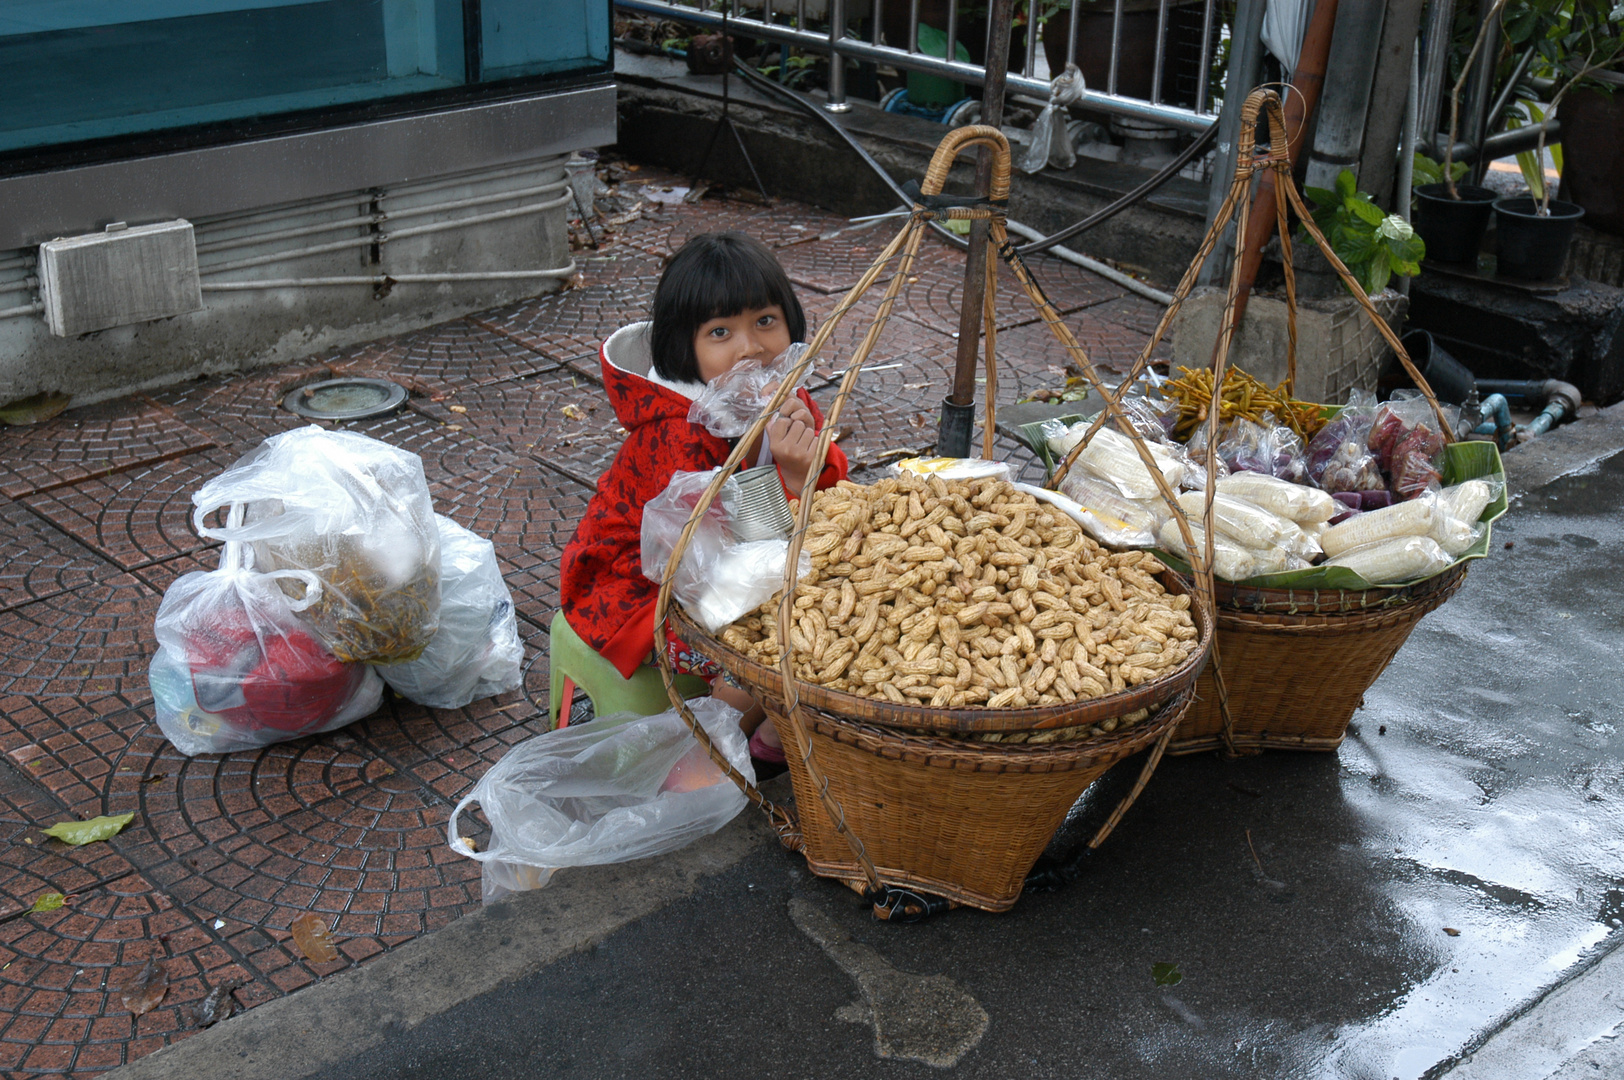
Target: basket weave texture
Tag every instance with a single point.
(961, 820)
(1295, 680)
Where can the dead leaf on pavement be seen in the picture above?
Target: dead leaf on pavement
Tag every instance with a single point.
(311, 935)
(145, 989)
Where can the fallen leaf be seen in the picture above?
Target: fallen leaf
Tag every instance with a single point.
(573, 412)
(458, 408)
(145, 989)
(217, 1006)
(1166, 974)
(1451, 931)
(47, 902)
(311, 935)
(155, 778)
(453, 427)
(80, 833)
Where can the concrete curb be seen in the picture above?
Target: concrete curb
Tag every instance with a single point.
(339, 1018)
(1565, 451)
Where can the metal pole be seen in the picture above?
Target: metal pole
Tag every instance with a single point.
(958, 411)
(1161, 49)
(837, 63)
(1434, 70)
(1246, 53)
(1406, 150)
(1480, 87)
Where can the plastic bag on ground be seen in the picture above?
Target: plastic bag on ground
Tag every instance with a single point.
(731, 402)
(356, 513)
(720, 578)
(610, 790)
(236, 669)
(476, 653)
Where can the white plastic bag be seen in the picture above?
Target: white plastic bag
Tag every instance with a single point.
(720, 578)
(476, 653)
(731, 402)
(356, 513)
(610, 790)
(236, 669)
(948, 468)
(1051, 142)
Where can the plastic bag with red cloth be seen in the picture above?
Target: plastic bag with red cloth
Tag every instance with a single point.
(236, 669)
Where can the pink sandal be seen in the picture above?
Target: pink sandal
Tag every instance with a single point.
(773, 755)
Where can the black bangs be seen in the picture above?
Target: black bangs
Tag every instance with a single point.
(715, 275)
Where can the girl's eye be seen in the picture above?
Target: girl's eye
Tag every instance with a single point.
(718, 332)
(765, 321)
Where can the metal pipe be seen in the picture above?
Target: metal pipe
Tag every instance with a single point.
(1246, 45)
(836, 101)
(1029, 69)
(26, 309)
(1071, 33)
(1497, 110)
(952, 30)
(385, 237)
(1201, 86)
(1481, 83)
(17, 262)
(1161, 48)
(1406, 150)
(913, 30)
(1165, 115)
(1496, 415)
(1116, 48)
(1077, 258)
(1435, 66)
(874, 21)
(1503, 143)
(384, 279)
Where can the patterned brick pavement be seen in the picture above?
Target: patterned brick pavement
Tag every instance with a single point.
(507, 413)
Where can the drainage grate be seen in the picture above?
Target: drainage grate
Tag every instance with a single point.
(346, 399)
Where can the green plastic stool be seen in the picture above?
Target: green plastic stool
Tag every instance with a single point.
(573, 663)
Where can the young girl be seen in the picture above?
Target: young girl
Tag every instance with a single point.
(723, 298)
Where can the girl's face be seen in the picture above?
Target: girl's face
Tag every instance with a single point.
(722, 342)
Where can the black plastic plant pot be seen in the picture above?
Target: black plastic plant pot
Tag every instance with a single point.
(1451, 380)
(1534, 248)
(1452, 228)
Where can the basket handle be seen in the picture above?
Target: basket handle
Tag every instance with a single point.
(957, 142)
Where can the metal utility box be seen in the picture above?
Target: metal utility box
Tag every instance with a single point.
(120, 276)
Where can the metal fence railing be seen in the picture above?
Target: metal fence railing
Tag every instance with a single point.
(1186, 33)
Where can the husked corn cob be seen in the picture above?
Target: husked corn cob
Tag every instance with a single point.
(1112, 456)
(1401, 558)
(1467, 500)
(1230, 561)
(1413, 518)
(1248, 525)
(1295, 502)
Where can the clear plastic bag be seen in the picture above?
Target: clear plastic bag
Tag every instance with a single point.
(1395, 560)
(1341, 445)
(1296, 502)
(1100, 509)
(1406, 441)
(955, 468)
(476, 653)
(1111, 456)
(1271, 450)
(720, 578)
(356, 513)
(1251, 526)
(1230, 560)
(236, 669)
(613, 789)
(731, 402)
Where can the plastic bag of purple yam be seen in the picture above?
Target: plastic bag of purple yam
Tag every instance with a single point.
(1275, 451)
(1338, 457)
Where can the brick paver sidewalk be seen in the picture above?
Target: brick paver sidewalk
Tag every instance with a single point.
(225, 852)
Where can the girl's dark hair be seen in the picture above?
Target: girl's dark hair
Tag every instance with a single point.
(715, 276)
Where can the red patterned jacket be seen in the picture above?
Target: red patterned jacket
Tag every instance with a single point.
(603, 592)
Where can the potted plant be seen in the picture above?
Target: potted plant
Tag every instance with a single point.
(1536, 230)
(1373, 245)
(1451, 217)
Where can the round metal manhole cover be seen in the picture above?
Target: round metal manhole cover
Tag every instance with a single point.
(346, 399)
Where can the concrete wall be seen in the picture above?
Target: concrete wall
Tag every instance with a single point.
(238, 330)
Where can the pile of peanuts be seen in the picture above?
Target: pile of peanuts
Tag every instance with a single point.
(969, 593)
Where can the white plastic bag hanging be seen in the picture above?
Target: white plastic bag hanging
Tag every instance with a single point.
(1051, 142)
(731, 402)
(720, 578)
(356, 513)
(476, 653)
(610, 790)
(236, 669)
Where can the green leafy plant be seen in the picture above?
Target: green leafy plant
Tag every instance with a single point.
(1428, 171)
(1165, 974)
(1373, 245)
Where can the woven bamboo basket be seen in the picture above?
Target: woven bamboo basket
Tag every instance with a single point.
(887, 798)
(1290, 667)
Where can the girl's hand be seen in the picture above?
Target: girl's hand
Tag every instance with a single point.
(793, 437)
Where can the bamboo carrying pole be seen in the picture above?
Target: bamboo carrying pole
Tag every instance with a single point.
(902, 251)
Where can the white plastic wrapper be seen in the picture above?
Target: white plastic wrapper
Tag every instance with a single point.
(955, 468)
(1109, 518)
(720, 579)
(1230, 561)
(613, 789)
(236, 669)
(732, 401)
(1251, 526)
(356, 513)
(476, 653)
(1111, 455)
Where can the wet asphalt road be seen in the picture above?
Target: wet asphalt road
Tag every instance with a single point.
(1491, 806)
